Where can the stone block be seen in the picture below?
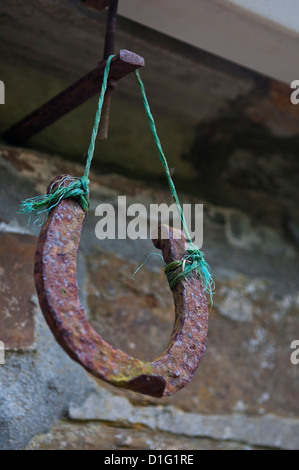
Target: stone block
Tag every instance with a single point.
(16, 290)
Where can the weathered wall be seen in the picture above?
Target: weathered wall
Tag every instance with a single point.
(244, 394)
(232, 138)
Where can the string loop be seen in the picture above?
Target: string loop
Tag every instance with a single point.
(78, 188)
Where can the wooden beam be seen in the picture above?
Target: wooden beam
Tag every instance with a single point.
(122, 64)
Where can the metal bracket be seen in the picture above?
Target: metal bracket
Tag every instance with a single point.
(83, 89)
(86, 87)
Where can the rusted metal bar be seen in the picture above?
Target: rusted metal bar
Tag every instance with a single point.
(108, 50)
(96, 4)
(122, 64)
(110, 29)
(57, 288)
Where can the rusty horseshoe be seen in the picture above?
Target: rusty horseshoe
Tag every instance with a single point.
(57, 288)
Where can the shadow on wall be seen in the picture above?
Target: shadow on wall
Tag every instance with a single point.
(247, 158)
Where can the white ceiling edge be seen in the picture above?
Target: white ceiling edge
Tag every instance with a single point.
(282, 13)
(262, 35)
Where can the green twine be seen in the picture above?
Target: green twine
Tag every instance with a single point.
(97, 118)
(41, 205)
(78, 187)
(144, 262)
(194, 260)
(162, 156)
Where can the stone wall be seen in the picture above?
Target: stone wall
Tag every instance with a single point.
(244, 394)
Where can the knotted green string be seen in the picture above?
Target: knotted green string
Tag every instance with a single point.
(193, 260)
(40, 206)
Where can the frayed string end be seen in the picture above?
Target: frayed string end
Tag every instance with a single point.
(193, 261)
(40, 206)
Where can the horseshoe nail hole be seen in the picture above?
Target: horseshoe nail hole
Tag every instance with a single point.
(176, 373)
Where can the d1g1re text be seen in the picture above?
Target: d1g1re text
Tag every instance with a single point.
(150, 459)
